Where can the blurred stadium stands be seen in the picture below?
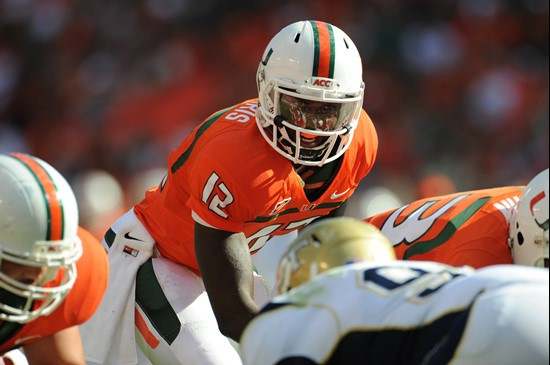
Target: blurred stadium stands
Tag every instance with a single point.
(458, 90)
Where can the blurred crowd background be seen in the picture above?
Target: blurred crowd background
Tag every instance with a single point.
(103, 90)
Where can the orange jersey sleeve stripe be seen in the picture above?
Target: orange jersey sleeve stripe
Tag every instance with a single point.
(53, 204)
(323, 59)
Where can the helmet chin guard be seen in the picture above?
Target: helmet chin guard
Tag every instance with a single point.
(310, 92)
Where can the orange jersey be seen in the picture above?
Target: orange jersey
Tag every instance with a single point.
(81, 302)
(469, 228)
(226, 175)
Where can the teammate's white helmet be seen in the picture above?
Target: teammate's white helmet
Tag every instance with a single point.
(329, 243)
(529, 224)
(38, 228)
(310, 89)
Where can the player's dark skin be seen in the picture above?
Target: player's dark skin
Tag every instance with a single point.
(226, 269)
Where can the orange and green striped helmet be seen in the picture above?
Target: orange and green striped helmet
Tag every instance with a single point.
(38, 228)
(313, 62)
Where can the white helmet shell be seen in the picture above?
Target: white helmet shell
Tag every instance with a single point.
(317, 62)
(529, 224)
(38, 228)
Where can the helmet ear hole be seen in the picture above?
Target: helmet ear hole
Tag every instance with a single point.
(520, 239)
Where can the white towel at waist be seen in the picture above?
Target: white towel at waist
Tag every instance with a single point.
(108, 337)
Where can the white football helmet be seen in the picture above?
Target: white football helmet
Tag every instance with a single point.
(528, 235)
(329, 243)
(310, 90)
(38, 228)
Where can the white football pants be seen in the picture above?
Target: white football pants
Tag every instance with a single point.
(182, 329)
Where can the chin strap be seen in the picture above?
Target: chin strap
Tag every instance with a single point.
(278, 120)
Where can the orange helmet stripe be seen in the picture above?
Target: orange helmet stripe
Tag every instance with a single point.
(535, 200)
(323, 58)
(148, 336)
(54, 206)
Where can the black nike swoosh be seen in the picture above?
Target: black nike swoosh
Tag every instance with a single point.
(127, 235)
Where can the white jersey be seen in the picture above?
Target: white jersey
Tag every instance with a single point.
(405, 312)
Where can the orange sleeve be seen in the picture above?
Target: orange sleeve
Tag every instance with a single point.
(230, 186)
(217, 209)
(370, 142)
(366, 145)
(92, 278)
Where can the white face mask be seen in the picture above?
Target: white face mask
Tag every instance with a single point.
(21, 301)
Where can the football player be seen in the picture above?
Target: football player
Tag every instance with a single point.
(477, 228)
(53, 273)
(264, 167)
(345, 300)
